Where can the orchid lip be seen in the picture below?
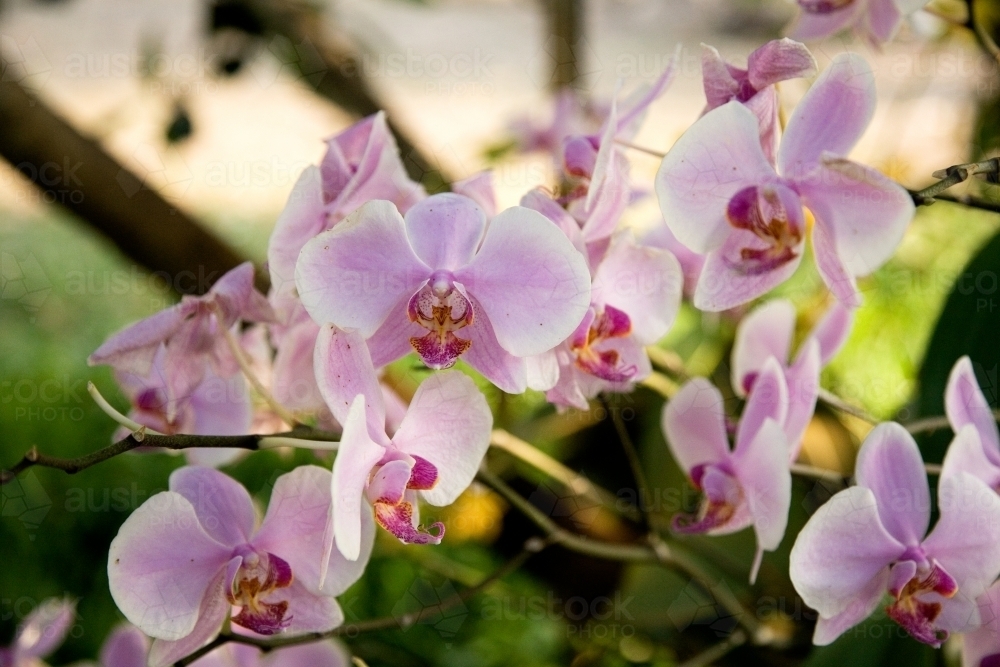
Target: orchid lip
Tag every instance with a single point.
(441, 308)
(597, 327)
(722, 497)
(913, 612)
(251, 577)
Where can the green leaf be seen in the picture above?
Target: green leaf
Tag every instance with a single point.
(969, 325)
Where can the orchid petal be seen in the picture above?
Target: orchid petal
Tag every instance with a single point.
(984, 641)
(445, 230)
(765, 332)
(889, 463)
(884, 19)
(967, 454)
(813, 26)
(725, 282)
(448, 424)
(43, 630)
(779, 60)
(761, 466)
(354, 274)
(303, 217)
(479, 188)
(830, 118)
(222, 504)
(717, 79)
(308, 609)
(126, 646)
(643, 282)
(831, 331)
(863, 211)
(694, 422)
(161, 564)
(133, 348)
(965, 403)
(212, 613)
(832, 270)
(768, 400)
(858, 609)
(964, 540)
(508, 372)
(356, 457)
(293, 529)
(344, 371)
(840, 550)
(531, 283)
(714, 159)
(803, 391)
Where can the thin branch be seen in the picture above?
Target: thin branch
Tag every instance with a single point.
(838, 403)
(661, 384)
(568, 478)
(931, 424)
(971, 202)
(251, 442)
(668, 360)
(667, 555)
(806, 470)
(634, 461)
(954, 175)
(641, 149)
(531, 547)
(713, 653)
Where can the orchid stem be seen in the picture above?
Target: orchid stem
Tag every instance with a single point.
(954, 175)
(713, 653)
(840, 404)
(302, 437)
(634, 461)
(568, 478)
(641, 149)
(138, 430)
(234, 346)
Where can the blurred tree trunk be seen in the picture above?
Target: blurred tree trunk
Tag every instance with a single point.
(76, 173)
(565, 42)
(335, 73)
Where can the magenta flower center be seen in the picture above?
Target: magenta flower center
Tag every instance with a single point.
(824, 6)
(773, 216)
(394, 512)
(251, 586)
(442, 309)
(723, 495)
(918, 602)
(596, 328)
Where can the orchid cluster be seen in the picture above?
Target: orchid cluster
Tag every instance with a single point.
(556, 295)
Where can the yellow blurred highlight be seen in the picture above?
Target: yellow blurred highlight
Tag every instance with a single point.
(477, 516)
(829, 444)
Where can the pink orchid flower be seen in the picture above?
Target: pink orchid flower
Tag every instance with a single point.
(361, 163)
(191, 331)
(766, 333)
(748, 485)
(597, 170)
(778, 60)
(433, 455)
(635, 298)
(216, 406)
(327, 653)
(976, 447)
(869, 540)
(189, 556)
(660, 236)
(721, 196)
(443, 283)
(876, 21)
(981, 647)
(127, 646)
(42, 632)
